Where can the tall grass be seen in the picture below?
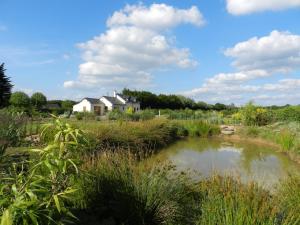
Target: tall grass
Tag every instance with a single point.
(118, 188)
(128, 193)
(197, 128)
(286, 139)
(229, 202)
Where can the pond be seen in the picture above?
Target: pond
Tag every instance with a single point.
(247, 161)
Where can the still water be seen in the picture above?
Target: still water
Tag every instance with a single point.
(247, 161)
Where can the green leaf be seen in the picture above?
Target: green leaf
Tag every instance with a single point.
(56, 201)
(6, 218)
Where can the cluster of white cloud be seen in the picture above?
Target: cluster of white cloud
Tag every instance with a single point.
(256, 59)
(278, 52)
(241, 7)
(134, 45)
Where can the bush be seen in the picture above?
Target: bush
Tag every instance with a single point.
(289, 113)
(19, 100)
(255, 116)
(85, 116)
(146, 114)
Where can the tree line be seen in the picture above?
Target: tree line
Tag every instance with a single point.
(162, 101)
(20, 101)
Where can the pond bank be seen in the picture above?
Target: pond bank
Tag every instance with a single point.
(242, 137)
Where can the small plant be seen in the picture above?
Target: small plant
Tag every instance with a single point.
(252, 131)
(286, 139)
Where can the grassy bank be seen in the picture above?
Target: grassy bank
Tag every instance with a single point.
(143, 136)
(283, 136)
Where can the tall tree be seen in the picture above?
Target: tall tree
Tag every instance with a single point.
(5, 87)
(38, 100)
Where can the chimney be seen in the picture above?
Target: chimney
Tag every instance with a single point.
(115, 93)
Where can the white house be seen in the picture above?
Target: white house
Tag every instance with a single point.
(107, 103)
(90, 105)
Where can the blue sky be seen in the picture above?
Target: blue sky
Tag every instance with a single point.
(214, 51)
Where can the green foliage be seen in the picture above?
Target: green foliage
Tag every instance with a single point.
(255, 116)
(162, 101)
(38, 100)
(12, 129)
(286, 139)
(252, 131)
(85, 116)
(120, 189)
(67, 105)
(229, 202)
(200, 128)
(146, 114)
(5, 87)
(289, 200)
(289, 113)
(20, 100)
(43, 193)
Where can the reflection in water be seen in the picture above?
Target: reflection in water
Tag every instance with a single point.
(245, 160)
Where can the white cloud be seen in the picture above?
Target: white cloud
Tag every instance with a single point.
(155, 17)
(277, 52)
(132, 48)
(256, 61)
(240, 7)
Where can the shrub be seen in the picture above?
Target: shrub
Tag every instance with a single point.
(85, 116)
(255, 116)
(289, 113)
(146, 114)
(19, 100)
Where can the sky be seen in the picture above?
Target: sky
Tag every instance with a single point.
(228, 51)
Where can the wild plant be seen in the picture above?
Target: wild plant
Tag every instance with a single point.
(41, 194)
